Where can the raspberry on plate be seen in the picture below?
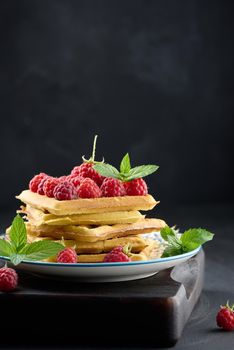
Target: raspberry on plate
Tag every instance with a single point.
(112, 188)
(35, 181)
(136, 187)
(8, 279)
(65, 191)
(67, 255)
(88, 189)
(49, 185)
(225, 317)
(117, 255)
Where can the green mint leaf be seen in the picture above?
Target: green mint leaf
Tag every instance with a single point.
(6, 249)
(167, 231)
(193, 238)
(16, 258)
(171, 250)
(107, 170)
(174, 246)
(125, 164)
(18, 235)
(126, 173)
(188, 241)
(41, 250)
(175, 242)
(140, 171)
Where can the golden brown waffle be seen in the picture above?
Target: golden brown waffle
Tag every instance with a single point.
(153, 250)
(87, 205)
(37, 218)
(137, 244)
(99, 233)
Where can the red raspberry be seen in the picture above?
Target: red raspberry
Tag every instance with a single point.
(8, 279)
(86, 170)
(136, 187)
(75, 171)
(34, 183)
(117, 249)
(40, 189)
(225, 318)
(65, 191)
(49, 185)
(70, 176)
(89, 189)
(75, 180)
(116, 255)
(62, 178)
(67, 255)
(112, 188)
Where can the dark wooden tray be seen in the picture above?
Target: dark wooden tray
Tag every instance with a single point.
(150, 312)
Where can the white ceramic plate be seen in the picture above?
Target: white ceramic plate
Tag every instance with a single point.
(102, 272)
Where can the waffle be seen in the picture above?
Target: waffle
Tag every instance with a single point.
(137, 244)
(87, 205)
(153, 250)
(98, 233)
(37, 218)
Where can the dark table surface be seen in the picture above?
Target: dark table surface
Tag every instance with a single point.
(201, 331)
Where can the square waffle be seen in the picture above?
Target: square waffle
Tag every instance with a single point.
(96, 233)
(87, 205)
(137, 244)
(37, 218)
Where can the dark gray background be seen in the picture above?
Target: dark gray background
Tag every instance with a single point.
(154, 78)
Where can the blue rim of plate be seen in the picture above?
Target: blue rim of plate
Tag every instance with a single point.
(102, 264)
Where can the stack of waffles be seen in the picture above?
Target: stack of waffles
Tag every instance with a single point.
(93, 226)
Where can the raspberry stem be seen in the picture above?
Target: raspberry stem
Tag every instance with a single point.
(127, 249)
(227, 306)
(94, 147)
(92, 158)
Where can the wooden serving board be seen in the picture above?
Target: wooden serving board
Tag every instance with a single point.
(147, 312)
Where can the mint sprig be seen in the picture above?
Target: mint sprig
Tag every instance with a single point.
(18, 235)
(6, 248)
(17, 248)
(188, 241)
(126, 172)
(125, 165)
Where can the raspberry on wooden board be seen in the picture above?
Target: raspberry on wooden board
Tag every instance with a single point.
(225, 317)
(8, 279)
